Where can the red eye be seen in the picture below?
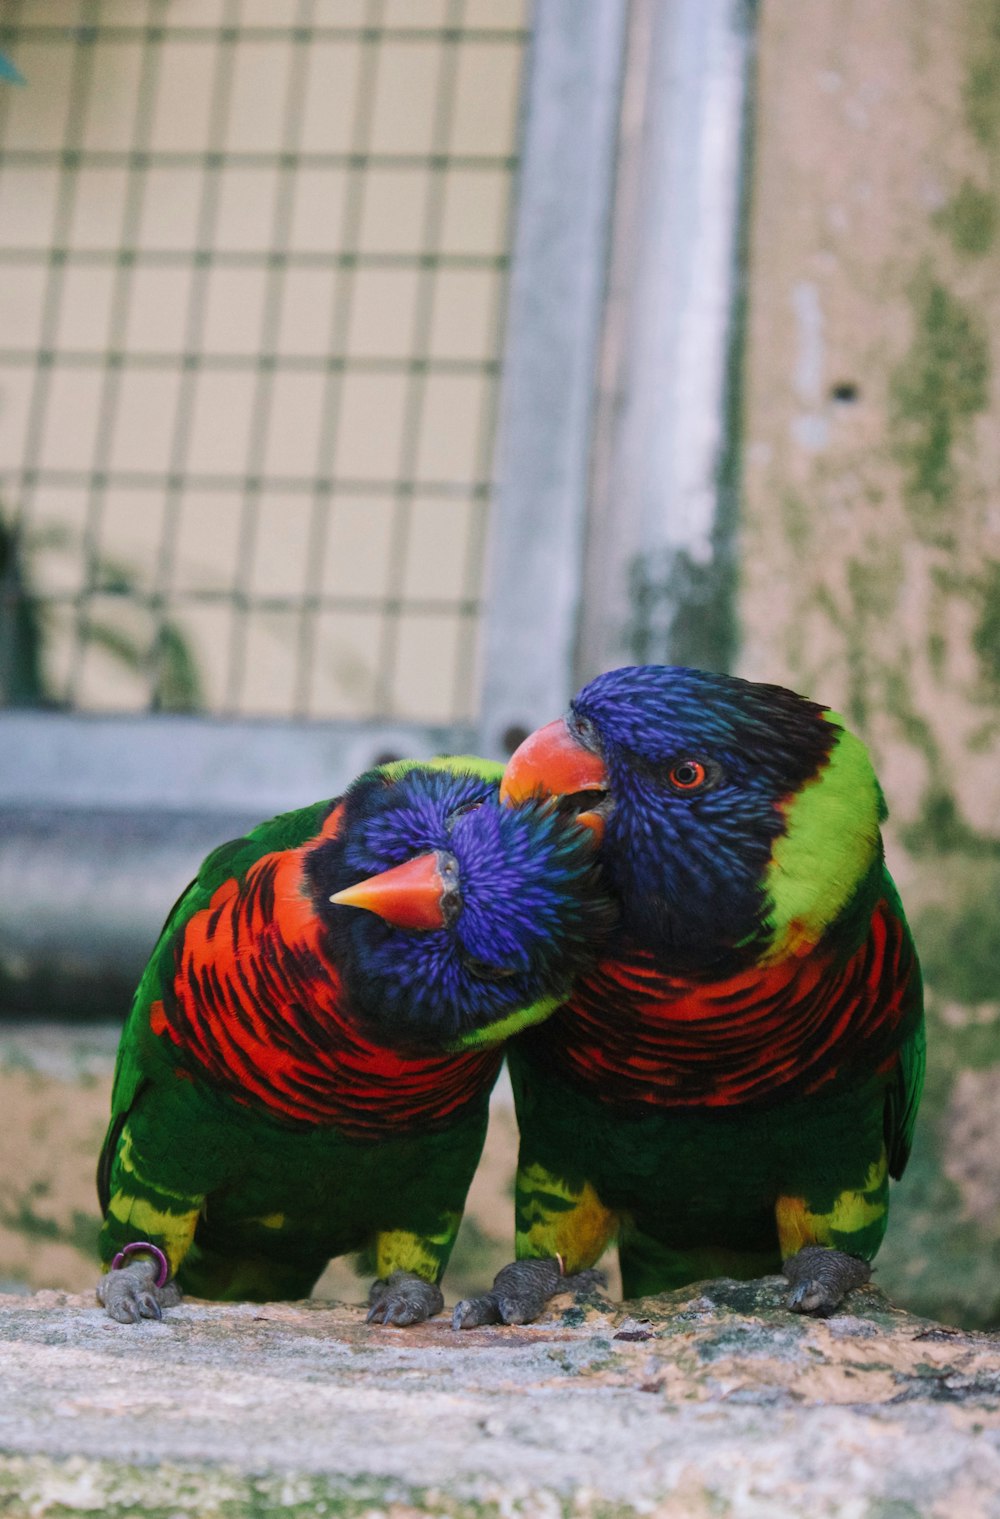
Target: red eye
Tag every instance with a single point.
(688, 775)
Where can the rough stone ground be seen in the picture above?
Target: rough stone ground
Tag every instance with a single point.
(704, 1402)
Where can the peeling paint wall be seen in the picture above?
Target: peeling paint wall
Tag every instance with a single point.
(871, 516)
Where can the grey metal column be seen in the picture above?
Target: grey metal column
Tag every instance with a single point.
(554, 320)
(658, 576)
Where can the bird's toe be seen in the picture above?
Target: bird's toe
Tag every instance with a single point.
(820, 1278)
(403, 1299)
(130, 1294)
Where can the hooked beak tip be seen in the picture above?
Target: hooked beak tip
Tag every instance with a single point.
(551, 762)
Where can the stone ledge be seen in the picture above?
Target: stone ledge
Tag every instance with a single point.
(701, 1402)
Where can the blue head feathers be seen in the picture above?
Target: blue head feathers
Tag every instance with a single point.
(699, 765)
(509, 909)
(690, 775)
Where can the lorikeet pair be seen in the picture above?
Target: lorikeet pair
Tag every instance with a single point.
(308, 1060)
(730, 1088)
(726, 1089)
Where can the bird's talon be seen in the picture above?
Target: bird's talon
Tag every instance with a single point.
(130, 1294)
(821, 1277)
(520, 1292)
(474, 1312)
(403, 1299)
(521, 1310)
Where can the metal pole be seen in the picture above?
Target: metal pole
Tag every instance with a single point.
(554, 319)
(657, 580)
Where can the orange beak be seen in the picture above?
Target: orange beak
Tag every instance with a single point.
(410, 895)
(550, 762)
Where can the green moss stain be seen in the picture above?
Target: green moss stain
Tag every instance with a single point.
(81, 1230)
(937, 651)
(970, 220)
(986, 632)
(118, 1491)
(797, 521)
(874, 579)
(941, 384)
(981, 91)
(915, 729)
(940, 828)
(874, 582)
(681, 611)
(63, 1488)
(959, 934)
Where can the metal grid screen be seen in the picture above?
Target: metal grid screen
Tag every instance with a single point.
(252, 267)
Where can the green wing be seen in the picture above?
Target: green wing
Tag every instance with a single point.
(903, 1096)
(140, 1055)
(903, 1100)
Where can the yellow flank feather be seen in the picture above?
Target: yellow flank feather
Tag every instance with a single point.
(424, 1254)
(172, 1232)
(556, 1219)
(150, 1210)
(853, 1213)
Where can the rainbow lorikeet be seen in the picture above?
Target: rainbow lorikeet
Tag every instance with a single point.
(730, 1088)
(307, 1064)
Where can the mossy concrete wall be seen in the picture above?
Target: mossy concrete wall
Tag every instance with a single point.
(871, 517)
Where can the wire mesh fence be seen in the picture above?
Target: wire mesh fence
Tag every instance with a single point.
(253, 259)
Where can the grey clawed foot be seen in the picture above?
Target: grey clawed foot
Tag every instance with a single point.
(821, 1278)
(403, 1299)
(520, 1292)
(131, 1294)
